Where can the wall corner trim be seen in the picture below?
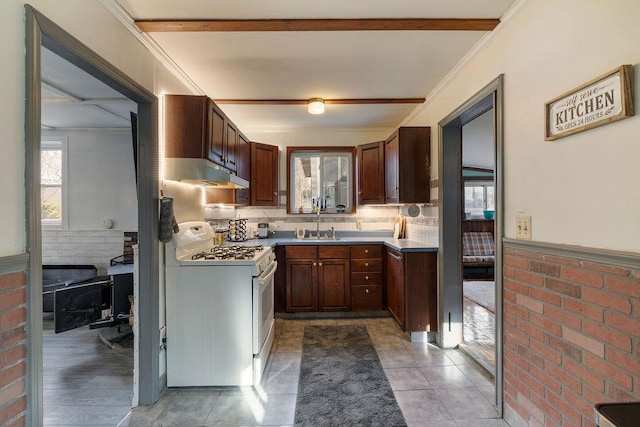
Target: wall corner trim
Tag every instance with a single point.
(13, 263)
(611, 258)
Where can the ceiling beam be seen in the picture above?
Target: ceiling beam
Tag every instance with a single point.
(326, 101)
(232, 25)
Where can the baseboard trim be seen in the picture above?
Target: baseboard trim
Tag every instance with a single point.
(611, 258)
(14, 263)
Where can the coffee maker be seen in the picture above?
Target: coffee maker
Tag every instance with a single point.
(263, 230)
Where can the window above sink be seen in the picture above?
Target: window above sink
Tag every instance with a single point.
(320, 179)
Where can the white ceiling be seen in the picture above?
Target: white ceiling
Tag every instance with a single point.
(290, 65)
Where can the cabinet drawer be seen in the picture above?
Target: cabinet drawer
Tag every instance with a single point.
(366, 265)
(366, 251)
(301, 252)
(366, 298)
(334, 252)
(366, 278)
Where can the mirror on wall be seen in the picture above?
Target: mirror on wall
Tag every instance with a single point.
(320, 180)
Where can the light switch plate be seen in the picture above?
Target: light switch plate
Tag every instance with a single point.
(523, 227)
(359, 224)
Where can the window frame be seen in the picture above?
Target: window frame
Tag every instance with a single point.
(324, 150)
(62, 144)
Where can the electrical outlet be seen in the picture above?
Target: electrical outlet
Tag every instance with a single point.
(359, 224)
(523, 227)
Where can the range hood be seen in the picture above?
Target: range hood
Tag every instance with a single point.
(201, 172)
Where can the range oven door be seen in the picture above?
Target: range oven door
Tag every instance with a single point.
(263, 306)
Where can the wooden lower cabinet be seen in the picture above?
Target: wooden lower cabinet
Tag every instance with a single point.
(366, 278)
(411, 289)
(317, 278)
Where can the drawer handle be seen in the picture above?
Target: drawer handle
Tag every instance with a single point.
(314, 264)
(398, 257)
(366, 290)
(366, 277)
(366, 264)
(366, 251)
(320, 264)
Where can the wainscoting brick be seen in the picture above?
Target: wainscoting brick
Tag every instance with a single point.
(571, 335)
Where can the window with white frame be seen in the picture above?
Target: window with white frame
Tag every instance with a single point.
(53, 179)
(479, 196)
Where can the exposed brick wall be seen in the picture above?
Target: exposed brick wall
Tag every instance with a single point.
(13, 349)
(571, 337)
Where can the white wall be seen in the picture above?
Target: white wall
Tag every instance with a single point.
(101, 179)
(582, 189)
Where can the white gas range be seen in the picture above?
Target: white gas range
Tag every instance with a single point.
(220, 311)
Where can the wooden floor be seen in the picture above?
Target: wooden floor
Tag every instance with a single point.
(479, 329)
(84, 382)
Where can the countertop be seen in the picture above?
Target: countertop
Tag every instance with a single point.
(403, 245)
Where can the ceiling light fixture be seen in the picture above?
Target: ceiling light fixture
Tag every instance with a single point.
(316, 106)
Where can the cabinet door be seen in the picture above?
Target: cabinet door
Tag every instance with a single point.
(264, 174)
(243, 168)
(231, 146)
(216, 134)
(370, 159)
(185, 126)
(413, 168)
(334, 284)
(302, 285)
(391, 176)
(395, 286)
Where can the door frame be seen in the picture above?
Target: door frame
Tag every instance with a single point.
(450, 314)
(41, 31)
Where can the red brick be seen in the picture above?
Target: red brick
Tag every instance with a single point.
(564, 347)
(547, 381)
(13, 409)
(530, 303)
(529, 277)
(580, 403)
(558, 260)
(530, 255)
(20, 422)
(619, 395)
(517, 310)
(13, 298)
(545, 268)
(518, 288)
(568, 411)
(519, 363)
(12, 336)
(517, 262)
(607, 269)
(609, 371)
(545, 323)
(628, 324)
(13, 317)
(532, 409)
(608, 300)
(584, 277)
(13, 280)
(583, 341)
(552, 415)
(586, 310)
(509, 272)
(509, 319)
(623, 285)
(590, 377)
(607, 335)
(628, 361)
(13, 355)
(531, 330)
(12, 373)
(563, 317)
(523, 387)
(518, 335)
(531, 381)
(550, 355)
(12, 392)
(546, 296)
(566, 379)
(563, 287)
(595, 396)
(530, 356)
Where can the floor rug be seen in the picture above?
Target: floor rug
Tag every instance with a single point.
(482, 293)
(342, 382)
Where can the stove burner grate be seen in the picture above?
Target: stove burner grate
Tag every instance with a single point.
(223, 252)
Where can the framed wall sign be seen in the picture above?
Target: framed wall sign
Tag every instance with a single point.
(601, 101)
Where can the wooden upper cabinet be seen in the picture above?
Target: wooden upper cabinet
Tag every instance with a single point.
(231, 146)
(407, 165)
(264, 174)
(217, 134)
(243, 167)
(186, 128)
(370, 163)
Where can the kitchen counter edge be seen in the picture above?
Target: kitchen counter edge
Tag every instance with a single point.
(402, 245)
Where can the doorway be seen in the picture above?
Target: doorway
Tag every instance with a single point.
(42, 32)
(451, 208)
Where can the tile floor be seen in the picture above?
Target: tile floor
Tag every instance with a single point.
(433, 387)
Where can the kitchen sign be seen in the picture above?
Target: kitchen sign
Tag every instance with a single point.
(601, 101)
